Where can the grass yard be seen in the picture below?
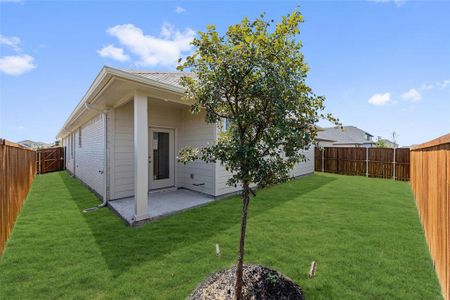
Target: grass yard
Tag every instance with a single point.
(364, 233)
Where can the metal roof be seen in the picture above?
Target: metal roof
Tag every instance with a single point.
(172, 78)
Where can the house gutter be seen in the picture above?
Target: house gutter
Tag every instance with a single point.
(104, 113)
(102, 80)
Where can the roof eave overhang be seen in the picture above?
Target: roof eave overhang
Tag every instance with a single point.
(324, 140)
(354, 143)
(100, 82)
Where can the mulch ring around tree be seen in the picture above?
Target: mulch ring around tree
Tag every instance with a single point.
(259, 283)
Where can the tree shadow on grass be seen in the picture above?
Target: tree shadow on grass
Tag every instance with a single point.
(123, 247)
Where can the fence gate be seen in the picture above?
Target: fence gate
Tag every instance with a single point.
(50, 160)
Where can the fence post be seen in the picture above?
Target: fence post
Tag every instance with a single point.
(337, 161)
(323, 160)
(40, 162)
(367, 161)
(393, 169)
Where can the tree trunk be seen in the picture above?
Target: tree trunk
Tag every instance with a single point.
(239, 268)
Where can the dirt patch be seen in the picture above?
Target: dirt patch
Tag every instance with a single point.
(259, 283)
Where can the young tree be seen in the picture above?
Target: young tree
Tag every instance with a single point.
(254, 78)
(380, 143)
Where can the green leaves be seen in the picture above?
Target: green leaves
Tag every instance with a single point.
(255, 77)
(188, 154)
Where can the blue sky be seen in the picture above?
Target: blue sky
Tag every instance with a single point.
(382, 65)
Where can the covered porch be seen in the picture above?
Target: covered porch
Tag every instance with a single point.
(160, 204)
(159, 185)
(133, 150)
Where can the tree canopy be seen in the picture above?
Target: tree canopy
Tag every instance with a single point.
(255, 79)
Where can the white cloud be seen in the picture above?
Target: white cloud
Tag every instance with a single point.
(443, 84)
(162, 50)
(412, 95)
(439, 84)
(16, 64)
(397, 2)
(426, 86)
(380, 99)
(180, 9)
(166, 30)
(113, 52)
(12, 42)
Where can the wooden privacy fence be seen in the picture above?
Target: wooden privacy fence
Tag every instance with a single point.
(370, 162)
(430, 182)
(17, 171)
(50, 160)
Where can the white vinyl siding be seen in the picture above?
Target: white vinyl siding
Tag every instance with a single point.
(222, 177)
(85, 153)
(68, 143)
(65, 144)
(190, 130)
(89, 154)
(198, 175)
(306, 167)
(122, 152)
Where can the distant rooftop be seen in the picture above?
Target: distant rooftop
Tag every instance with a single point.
(33, 144)
(346, 135)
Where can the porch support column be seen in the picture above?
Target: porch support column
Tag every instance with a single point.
(140, 157)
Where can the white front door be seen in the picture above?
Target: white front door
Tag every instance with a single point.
(161, 158)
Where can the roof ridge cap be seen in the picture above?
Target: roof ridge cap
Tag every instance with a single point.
(157, 72)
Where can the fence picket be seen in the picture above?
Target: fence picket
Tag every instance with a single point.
(370, 162)
(17, 171)
(430, 182)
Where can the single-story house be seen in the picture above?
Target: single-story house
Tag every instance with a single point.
(122, 141)
(347, 136)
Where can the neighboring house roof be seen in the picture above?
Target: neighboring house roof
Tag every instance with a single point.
(347, 135)
(318, 139)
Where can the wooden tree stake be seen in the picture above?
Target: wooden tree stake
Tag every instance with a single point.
(217, 250)
(312, 269)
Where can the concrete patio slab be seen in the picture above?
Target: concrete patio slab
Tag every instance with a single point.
(160, 204)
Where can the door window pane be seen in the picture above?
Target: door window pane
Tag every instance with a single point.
(161, 159)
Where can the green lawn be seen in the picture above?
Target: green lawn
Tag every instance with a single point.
(364, 233)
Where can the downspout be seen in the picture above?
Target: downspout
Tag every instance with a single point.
(74, 161)
(105, 155)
